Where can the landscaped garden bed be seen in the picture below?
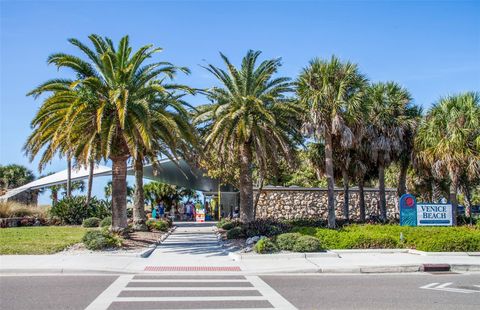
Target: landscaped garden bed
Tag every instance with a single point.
(269, 236)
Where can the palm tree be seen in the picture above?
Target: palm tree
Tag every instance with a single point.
(250, 120)
(414, 114)
(448, 140)
(121, 85)
(332, 93)
(389, 123)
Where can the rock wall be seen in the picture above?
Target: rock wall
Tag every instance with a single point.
(311, 203)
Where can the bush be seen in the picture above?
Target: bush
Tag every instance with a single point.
(72, 210)
(101, 239)
(287, 241)
(15, 209)
(159, 225)
(307, 244)
(106, 222)
(265, 227)
(235, 233)
(91, 222)
(264, 246)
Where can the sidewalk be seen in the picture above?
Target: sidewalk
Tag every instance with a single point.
(193, 247)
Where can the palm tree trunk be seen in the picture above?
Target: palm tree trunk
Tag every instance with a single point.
(139, 217)
(54, 195)
(402, 179)
(90, 182)
(436, 191)
(361, 199)
(381, 189)
(246, 184)
(346, 197)
(69, 177)
(453, 199)
(257, 198)
(119, 193)
(330, 178)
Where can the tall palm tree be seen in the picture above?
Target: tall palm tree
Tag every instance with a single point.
(389, 123)
(448, 140)
(250, 120)
(122, 85)
(332, 93)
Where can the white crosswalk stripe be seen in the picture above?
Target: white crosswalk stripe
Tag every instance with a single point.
(189, 292)
(445, 288)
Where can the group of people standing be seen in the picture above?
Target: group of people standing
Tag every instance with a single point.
(178, 210)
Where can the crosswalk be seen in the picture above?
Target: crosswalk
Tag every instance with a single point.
(148, 291)
(445, 287)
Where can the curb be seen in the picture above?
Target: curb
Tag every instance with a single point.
(64, 271)
(146, 253)
(254, 256)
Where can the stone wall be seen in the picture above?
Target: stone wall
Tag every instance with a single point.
(297, 203)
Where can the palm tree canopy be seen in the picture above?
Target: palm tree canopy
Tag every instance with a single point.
(448, 138)
(108, 102)
(391, 119)
(250, 107)
(332, 92)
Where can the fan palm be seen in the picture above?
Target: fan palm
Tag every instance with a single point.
(390, 123)
(250, 120)
(121, 85)
(448, 140)
(332, 93)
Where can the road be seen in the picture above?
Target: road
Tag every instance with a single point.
(100, 291)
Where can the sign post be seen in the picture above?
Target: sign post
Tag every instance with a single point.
(424, 214)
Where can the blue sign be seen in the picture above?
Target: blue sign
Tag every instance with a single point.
(424, 214)
(408, 210)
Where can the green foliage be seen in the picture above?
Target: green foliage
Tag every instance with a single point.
(38, 240)
(91, 222)
(156, 192)
(265, 246)
(287, 241)
(101, 239)
(106, 222)
(73, 210)
(307, 244)
(12, 176)
(265, 227)
(235, 233)
(431, 239)
(159, 225)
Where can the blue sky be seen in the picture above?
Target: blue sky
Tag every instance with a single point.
(432, 48)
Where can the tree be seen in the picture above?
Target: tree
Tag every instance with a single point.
(390, 123)
(108, 192)
(448, 140)
(156, 192)
(121, 85)
(332, 93)
(250, 121)
(12, 176)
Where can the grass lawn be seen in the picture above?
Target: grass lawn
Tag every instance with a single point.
(39, 240)
(431, 239)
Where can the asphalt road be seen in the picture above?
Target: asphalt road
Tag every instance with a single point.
(440, 291)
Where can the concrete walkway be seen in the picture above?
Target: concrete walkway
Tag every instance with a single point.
(191, 244)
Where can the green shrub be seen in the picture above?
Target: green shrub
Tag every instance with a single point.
(307, 244)
(91, 222)
(264, 246)
(287, 241)
(160, 225)
(106, 222)
(235, 233)
(72, 210)
(101, 239)
(265, 227)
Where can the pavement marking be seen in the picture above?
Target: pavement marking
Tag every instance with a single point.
(104, 300)
(125, 293)
(445, 288)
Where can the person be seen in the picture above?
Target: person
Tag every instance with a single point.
(189, 210)
(173, 210)
(181, 211)
(155, 212)
(161, 209)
